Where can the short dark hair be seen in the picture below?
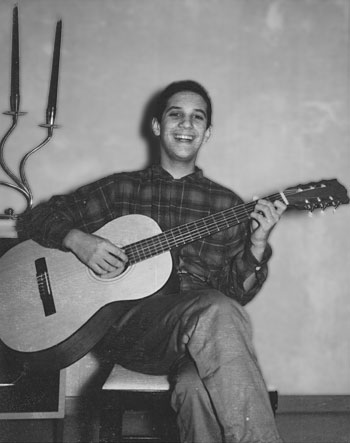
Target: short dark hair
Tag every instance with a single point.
(181, 86)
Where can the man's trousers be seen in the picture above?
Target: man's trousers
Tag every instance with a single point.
(203, 340)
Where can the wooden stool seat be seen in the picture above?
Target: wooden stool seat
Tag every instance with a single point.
(121, 379)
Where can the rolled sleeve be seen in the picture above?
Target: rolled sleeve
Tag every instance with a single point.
(87, 209)
(241, 264)
(48, 223)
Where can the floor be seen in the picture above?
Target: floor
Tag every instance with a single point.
(296, 425)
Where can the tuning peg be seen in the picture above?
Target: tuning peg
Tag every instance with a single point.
(320, 204)
(335, 206)
(308, 206)
(334, 203)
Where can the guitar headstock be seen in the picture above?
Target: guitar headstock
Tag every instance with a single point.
(322, 194)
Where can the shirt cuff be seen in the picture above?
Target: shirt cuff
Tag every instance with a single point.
(53, 237)
(253, 264)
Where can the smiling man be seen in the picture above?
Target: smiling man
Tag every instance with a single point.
(182, 129)
(195, 329)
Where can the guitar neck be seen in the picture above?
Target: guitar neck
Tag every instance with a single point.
(190, 232)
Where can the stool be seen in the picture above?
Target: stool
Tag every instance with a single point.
(125, 390)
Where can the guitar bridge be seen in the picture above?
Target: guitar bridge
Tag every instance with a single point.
(42, 277)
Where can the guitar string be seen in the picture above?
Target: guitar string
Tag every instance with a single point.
(160, 243)
(181, 235)
(210, 224)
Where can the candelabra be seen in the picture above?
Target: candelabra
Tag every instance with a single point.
(19, 182)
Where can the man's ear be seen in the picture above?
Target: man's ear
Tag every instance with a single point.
(207, 134)
(155, 126)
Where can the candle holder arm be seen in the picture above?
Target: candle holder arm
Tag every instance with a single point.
(23, 163)
(17, 184)
(3, 164)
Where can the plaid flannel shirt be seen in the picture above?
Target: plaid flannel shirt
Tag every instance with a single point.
(222, 260)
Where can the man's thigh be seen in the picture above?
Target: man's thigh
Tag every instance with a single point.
(148, 335)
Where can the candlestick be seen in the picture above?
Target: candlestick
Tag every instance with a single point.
(14, 97)
(52, 100)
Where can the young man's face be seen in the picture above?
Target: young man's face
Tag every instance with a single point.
(183, 128)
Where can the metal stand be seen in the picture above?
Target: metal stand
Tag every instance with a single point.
(19, 182)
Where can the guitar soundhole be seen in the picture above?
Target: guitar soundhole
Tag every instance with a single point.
(110, 277)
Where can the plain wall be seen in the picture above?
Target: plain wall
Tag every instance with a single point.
(278, 74)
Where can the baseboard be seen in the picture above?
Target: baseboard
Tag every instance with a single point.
(313, 404)
(287, 404)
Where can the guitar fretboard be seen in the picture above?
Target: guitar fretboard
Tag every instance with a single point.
(190, 232)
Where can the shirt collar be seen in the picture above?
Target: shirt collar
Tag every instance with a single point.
(159, 171)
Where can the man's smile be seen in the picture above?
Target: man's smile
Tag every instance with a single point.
(184, 137)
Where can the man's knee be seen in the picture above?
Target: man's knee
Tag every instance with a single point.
(221, 306)
(187, 385)
(215, 321)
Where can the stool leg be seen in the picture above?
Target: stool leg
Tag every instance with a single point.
(274, 400)
(167, 420)
(111, 419)
(58, 428)
(169, 431)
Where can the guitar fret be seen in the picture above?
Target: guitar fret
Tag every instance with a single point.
(172, 240)
(247, 212)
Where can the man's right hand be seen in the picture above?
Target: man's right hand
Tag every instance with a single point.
(99, 254)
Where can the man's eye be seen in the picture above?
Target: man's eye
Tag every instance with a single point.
(175, 114)
(199, 117)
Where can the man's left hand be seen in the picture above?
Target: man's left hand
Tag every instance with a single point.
(265, 216)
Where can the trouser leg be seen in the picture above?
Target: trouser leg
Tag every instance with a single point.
(215, 331)
(195, 415)
(221, 346)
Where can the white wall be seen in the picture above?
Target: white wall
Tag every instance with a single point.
(278, 73)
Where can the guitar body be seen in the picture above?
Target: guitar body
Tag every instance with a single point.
(84, 302)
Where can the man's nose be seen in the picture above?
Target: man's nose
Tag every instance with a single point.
(186, 121)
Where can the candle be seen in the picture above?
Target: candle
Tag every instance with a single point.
(51, 105)
(14, 98)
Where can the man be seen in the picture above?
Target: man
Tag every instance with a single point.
(195, 328)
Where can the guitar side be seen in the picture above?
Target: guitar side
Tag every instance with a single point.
(83, 302)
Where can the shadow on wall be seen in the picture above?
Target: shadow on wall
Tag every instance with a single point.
(146, 131)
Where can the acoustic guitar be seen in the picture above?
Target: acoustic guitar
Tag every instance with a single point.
(54, 309)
